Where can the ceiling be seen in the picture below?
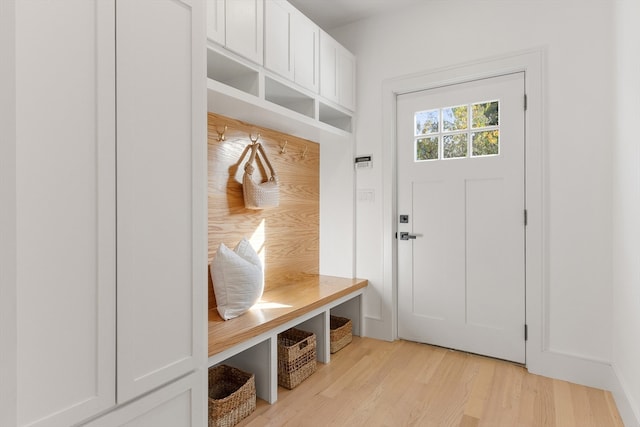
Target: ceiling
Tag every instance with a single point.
(330, 14)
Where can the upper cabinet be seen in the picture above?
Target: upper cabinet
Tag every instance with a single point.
(305, 44)
(291, 44)
(238, 26)
(337, 72)
(266, 54)
(216, 21)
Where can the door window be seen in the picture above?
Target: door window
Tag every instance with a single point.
(444, 133)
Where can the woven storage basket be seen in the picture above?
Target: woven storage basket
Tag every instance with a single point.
(340, 333)
(232, 395)
(296, 357)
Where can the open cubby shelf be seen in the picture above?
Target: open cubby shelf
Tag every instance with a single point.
(231, 75)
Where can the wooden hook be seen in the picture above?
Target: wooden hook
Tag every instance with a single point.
(221, 136)
(253, 141)
(283, 147)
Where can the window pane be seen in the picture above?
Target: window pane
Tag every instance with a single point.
(455, 118)
(454, 145)
(427, 122)
(485, 143)
(485, 114)
(427, 148)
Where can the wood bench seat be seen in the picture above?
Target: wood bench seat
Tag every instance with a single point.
(279, 305)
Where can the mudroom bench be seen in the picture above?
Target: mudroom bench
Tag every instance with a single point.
(249, 342)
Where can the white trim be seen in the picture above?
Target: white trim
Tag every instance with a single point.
(628, 411)
(531, 62)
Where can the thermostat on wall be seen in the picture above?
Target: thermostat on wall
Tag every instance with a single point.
(364, 162)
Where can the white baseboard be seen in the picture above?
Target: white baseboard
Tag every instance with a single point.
(630, 414)
(590, 373)
(572, 368)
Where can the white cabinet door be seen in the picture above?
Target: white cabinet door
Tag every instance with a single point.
(345, 73)
(161, 187)
(328, 64)
(305, 45)
(277, 33)
(177, 405)
(216, 21)
(337, 72)
(291, 44)
(65, 203)
(244, 26)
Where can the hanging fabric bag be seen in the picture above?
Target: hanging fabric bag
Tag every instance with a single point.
(260, 195)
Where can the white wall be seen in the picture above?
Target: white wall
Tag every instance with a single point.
(626, 210)
(337, 236)
(576, 37)
(8, 291)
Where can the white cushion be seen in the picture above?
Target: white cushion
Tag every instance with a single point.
(238, 279)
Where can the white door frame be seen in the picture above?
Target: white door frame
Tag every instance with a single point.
(531, 62)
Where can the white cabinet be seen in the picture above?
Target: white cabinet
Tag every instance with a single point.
(238, 26)
(337, 72)
(111, 224)
(305, 44)
(161, 164)
(278, 56)
(291, 44)
(175, 405)
(65, 200)
(304, 71)
(216, 21)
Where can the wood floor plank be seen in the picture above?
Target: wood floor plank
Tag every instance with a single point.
(376, 383)
(563, 403)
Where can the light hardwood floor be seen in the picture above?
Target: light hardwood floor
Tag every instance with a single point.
(377, 383)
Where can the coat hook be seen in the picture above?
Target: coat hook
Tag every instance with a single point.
(221, 136)
(253, 141)
(283, 147)
(304, 153)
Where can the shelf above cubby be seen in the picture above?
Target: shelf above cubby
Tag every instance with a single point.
(334, 117)
(245, 91)
(287, 97)
(232, 73)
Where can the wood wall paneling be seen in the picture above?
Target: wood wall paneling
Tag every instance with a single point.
(287, 236)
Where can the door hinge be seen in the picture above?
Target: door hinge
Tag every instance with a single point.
(526, 217)
(525, 102)
(526, 332)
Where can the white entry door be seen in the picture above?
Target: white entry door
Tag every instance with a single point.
(461, 217)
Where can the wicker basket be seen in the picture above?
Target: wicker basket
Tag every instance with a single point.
(340, 333)
(296, 357)
(232, 395)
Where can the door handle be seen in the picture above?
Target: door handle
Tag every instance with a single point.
(406, 236)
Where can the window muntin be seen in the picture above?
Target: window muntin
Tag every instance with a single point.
(444, 133)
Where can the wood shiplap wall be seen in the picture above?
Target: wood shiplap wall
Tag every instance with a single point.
(288, 235)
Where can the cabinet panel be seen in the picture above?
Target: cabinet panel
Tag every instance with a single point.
(305, 45)
(216, 21)
(277, 32)
(345, 72)
(161, 173)
(337, 72)
(180, 404)
(291, 43)
(65, 162)
(244, 28)
(328, 64)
